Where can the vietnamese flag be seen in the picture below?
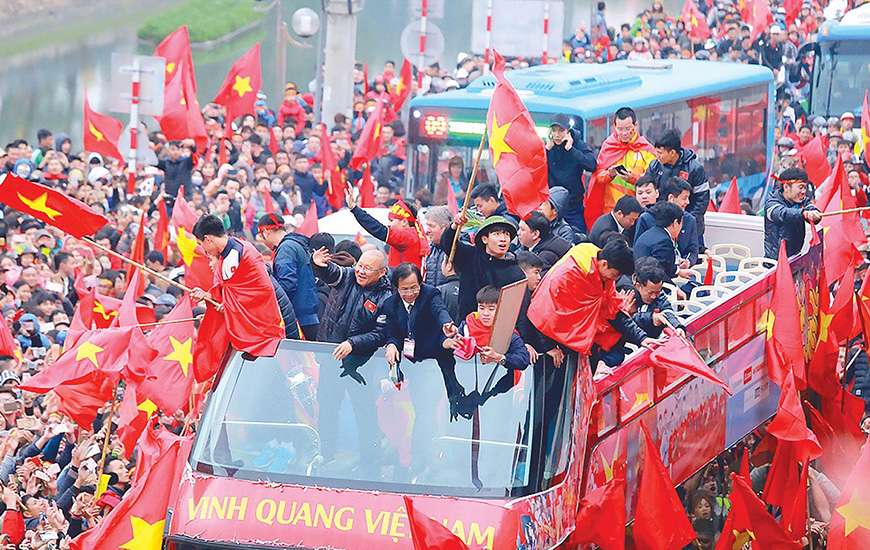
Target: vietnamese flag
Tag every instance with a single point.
(137, 254)
(850, 520)
(9, 346)
(660, 521)
(139, 353)
(369, 142)
(98, 311)
(731, 201)
(843, 232)
(822, 371)
(678, 354)
(161, 232)
(175, 48)
(428, 534)
(844, 308)
(749, 522)
(50, 206)
(212, 344)
(366, 189)
(101, 133)
(844, 412)
(784, 340)
(839, 452)
(309, 224)
(331, 171)
(518, 154)
(134, 414)
(814, 156)
(696, 23)
(572, 304)
(757, 14)
(790, 423)
(400, 91)
(169, 378)
(604, 502)
(97, 353)
(138, 521)
(83, 401)
(238, 93)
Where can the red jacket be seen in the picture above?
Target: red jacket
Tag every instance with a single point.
(292, 111)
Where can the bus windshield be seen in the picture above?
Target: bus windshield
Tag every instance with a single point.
(300, 418)
(843, 73)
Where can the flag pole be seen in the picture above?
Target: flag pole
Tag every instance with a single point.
(108, 425)
(160, 323)
(846, 211)
(145, 268)
(471, 181)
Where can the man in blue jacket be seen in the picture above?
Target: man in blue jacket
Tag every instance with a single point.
(291, 267)
(676, 191)
(660, 242)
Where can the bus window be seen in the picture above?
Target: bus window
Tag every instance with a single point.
(607, 412)
(710, 341)
(597, 131)
(636, 393)
(430, 166)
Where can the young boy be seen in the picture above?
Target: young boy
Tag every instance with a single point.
(536, 343)
(478, 325)
(654, 310)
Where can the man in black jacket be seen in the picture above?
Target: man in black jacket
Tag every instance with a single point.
(487, 262)
(653, 310)
(352, 320)
(660, 242)
(177, 168)
(674, 160)
(622, 220)
(488, 203)
(787, 210)
(534, 235)
(568, 157)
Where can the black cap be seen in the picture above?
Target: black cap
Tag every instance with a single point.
(562, 120)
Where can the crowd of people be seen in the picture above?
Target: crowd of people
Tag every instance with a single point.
(408, 303)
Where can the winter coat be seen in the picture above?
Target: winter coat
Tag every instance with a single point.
(292, 268)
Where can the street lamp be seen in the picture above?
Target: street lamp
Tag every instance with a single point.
(306, 23)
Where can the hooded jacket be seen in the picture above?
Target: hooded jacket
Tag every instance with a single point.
(37, 339)
(559, 227)
(292, 269)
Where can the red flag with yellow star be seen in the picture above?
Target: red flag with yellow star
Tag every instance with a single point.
(197, 271)
(400, 91)
(331, 171)
(517, 151)
(137, 254)
(137, 523)
(239, 90)
(843, 232)
(133, 415)
(369, 142)
(850, 520)
(50, 206)
(822, 372)
(660, 521)
(83, 401)
(790, 423)
(749, 522)
(175, 48)
(97, 352)
(101, 133)
(696, 23)
(784, 345)
(161, 232)
(169, 380)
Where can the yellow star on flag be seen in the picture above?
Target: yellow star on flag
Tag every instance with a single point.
(89, 351)
(400, 86)
(147, 406)
(496, 140)
(100, 309)
(740, 539)
(824, 325)
(242, 85)
(181, 352)
(766, 323)
(856, 512)
(170, 67)
(94, 132)
(146, 536)
(39, 204)
(377, 130)
(640, 399)
(186, 245)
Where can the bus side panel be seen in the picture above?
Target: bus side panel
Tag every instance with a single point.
(691, 420)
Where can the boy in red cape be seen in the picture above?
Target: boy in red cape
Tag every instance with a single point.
(249, 318)
(623, 158)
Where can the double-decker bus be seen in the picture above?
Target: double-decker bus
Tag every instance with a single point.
(841, 65)
(724, 110)
(289, 454)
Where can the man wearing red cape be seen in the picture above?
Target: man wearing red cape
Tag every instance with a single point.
(249, 318)
(623, 158)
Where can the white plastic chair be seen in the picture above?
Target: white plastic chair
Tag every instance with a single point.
(707, 294)
(730, 251)
(756, 262)
(734, 279)
(686, 308)
(719, 266)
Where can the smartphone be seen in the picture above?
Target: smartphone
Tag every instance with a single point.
(27, 423)
(10, 407)
(621, 170)
(89, 464)
(42, 476)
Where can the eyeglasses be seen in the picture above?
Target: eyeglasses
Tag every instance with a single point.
(366, 269)
(410, 290)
